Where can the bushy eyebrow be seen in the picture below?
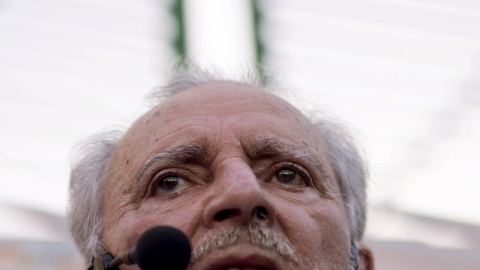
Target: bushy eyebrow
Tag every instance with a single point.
(273, 147)
(181, 154)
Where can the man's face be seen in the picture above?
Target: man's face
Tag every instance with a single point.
(239, 171)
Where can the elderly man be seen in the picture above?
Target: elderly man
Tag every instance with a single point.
(251, 181)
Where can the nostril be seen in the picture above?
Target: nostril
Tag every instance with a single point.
(260, 213)
(226, 214)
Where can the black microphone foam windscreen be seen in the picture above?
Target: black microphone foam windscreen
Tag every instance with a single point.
(162, 247)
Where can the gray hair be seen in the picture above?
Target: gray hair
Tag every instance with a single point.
(87, 177)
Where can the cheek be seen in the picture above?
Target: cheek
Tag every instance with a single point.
(319, 232)
(181, 214)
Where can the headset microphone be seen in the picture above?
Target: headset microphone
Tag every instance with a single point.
(160, 247)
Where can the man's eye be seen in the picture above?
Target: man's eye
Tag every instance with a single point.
(288, 177)
(171, 184)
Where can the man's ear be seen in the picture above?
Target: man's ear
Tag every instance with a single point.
(366, 258)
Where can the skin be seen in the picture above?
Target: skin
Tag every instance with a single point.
(223, 186)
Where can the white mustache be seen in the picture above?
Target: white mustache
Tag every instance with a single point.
(254, 234)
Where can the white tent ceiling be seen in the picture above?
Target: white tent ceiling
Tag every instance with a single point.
(404, 74)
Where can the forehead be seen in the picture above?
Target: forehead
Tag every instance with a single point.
(222, 99)
(214, 115)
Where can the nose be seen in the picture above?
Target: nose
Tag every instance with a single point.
(238, 198)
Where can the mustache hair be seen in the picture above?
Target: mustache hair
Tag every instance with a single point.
(253, 233)
(257, 235)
